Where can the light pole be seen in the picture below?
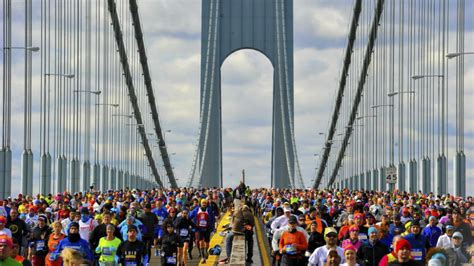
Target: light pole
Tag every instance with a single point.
(61, 160)
(86, 168)
(104, 175)
(30, 48)
(453, 55)
(400, 92)
(88, 91)
(115, 105)
(426, 175)
(382, 170)
(69, 76)
(412, 165)
(460, 157)
(416, 77)
(365, 116)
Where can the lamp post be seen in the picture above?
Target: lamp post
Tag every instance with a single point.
(460, 157)
(441, 163)
(69, 76)
(399, 92)
(416, 77)
(412, 165)
(30, 48)
(115, 105)
(103, 174)
(86, 168)
(453, 55)
(359, 176)
(88, 91)
(122, 115)
(61, 160)
(382, 170)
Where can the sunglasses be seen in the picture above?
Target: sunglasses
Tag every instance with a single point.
(331, 235)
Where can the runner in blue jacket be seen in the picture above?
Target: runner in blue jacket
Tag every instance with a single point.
(74, 241)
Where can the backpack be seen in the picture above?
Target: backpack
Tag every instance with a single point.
(202, 219)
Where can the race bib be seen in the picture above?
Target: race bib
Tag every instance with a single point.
(130, 263)
(39, 245)
(160, 220)
(171, 260)
(107, 251)
(290, 249)
(183, 232)
(202, 223)
(417, 254)
(362, 237)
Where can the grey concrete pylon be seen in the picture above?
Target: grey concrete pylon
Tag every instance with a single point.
(229, 26)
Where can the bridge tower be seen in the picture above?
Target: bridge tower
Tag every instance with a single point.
(229, 26)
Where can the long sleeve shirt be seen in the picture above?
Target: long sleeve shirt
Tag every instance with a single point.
(279, 232)
(297, 239)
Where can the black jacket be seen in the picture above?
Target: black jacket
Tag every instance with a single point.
(99, 232)
(39, 240)
(182, 223)
(370, 255)
(18, 228)
(150, 221)
(169, 243)
(315, 241)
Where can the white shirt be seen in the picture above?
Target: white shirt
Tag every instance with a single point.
(444, 241)
(345, 264)
(318, 258)
(279, 222)
(86, 228)
(279, 232)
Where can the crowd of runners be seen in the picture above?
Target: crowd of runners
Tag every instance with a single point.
(366, 227)
(303, 227)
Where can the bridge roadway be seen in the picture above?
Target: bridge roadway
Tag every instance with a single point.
(261, 251)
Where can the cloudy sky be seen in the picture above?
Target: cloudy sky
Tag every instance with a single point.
(172, 30)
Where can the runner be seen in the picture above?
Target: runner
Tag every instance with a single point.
(38, 248)
(131, 251)
(108, 247)
(204, 220)
(184, 226)
(53, 241)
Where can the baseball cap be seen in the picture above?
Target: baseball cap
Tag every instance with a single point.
(286, 209)
(329, 230)
(372, 230)
(458, 235)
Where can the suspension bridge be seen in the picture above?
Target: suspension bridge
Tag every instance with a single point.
(80, 105)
